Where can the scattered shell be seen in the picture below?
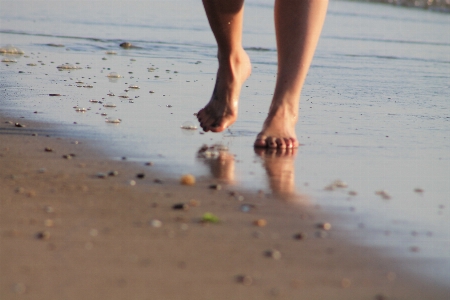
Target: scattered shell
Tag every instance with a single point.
(93, 101)
(155, 223)
(68, 156)
(134, 87)
(124, 96)
(109, 104)
(111, 52)
(324, 226)
(260, 222)
(10, 49)
(80, 109)
(32, 64)
(19, 125)
(187, 179)
(68, 66)
(113, 75)
(384, 194)
(104, 114)
(113, 120)
(47, 149)
(111, 94)
(188, 125)
(9, 60)
(132, 182)
(54, 95)
(275, 254)
(101, 175)
(336, 184)
(151, 69)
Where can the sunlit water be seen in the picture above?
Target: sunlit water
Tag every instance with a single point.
(374, 112)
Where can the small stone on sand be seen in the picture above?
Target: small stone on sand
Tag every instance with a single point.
(187, 179)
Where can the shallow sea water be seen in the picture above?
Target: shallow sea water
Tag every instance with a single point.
(374, 109)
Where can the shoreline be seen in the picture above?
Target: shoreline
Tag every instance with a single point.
(65, 231)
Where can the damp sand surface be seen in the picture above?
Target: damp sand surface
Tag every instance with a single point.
(372, 112)
(89, 227)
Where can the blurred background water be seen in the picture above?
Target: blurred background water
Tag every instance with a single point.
(374, 109)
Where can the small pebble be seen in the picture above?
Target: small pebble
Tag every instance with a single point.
(215, 187)
(140, 175)
(187, 179)
(101, 175)
(19, 125)
(260, 222)
(43, 235)
(300, 236)
(244, 279)
(418, 190)
(132, 182)
(324, 226)
(275, 254)
(113, 173)
(149, 163)
(180, 206)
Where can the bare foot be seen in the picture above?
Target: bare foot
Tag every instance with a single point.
(221, 111)
(279, 128)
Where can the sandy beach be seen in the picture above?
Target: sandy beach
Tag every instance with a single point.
(97, 210)
(68, 233)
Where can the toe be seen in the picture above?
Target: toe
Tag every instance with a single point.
(260, 141)
(288, 142)
(280, 143)
(272, 142)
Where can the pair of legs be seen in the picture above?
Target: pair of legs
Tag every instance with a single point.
(298, 24)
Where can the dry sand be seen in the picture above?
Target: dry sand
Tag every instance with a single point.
(67, 234)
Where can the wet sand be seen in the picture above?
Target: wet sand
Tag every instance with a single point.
(66, 233)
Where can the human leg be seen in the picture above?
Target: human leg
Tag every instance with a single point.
(298, 24)
(225, 18)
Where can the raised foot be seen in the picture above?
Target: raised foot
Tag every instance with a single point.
(222, 109)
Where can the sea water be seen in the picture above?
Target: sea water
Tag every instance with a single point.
(374, 108)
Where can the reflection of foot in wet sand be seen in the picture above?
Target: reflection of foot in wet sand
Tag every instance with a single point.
(220, 162)
(279, 165)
